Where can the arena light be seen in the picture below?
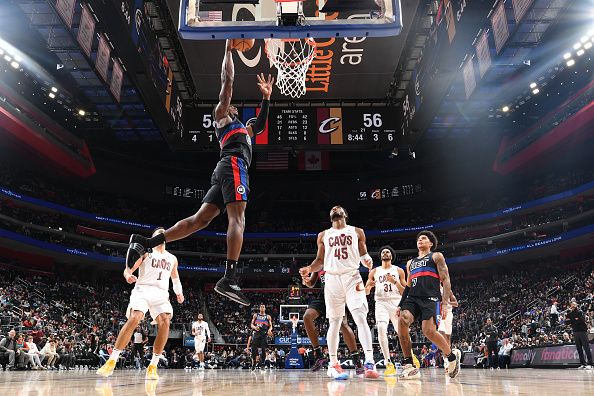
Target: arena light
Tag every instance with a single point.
(505, 109)
(580, 52)
(51, 95)
(14, 64)
(535, 91)
(7, 58)
(588, 45)
(570, 62)
(54, 89)
(533, 85)
(577, 46)
(81, 113)
(566, 55)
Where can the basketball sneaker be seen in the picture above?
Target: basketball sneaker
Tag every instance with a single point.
(229, 288)
(336, 372)
(370, 371)
(321, 362)
(107, 369)
(359, 369)
(454, 366)
(390, 370)
(410, 372)
(151, 372)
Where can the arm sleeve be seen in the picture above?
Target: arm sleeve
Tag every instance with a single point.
(207, 330)
(260, 123)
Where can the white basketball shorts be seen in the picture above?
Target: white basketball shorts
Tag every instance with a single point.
(385, 311)
(152, 299)
(341, 290)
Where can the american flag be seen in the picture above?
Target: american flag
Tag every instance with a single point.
(272, 161)
(210, 16)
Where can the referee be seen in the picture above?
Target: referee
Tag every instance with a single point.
(578, 324)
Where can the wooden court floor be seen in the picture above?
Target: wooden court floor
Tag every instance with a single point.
(567, 382)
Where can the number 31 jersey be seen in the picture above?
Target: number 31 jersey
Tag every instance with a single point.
(341, 250)
(385, 290)
(155, 270)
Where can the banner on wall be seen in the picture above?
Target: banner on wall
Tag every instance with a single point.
(500, 28)
(103, 56)
(66, 10)
(469, 77)
(117, 76)
(482, 53)
(86, 30)
(520, 8)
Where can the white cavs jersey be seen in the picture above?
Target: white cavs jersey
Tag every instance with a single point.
(155, 270)
(385, 290)
(341, 251)
(200, 329)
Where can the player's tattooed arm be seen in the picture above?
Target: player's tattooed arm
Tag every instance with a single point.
(227, 77)
(408, 282)
(269, 326)
(318, 262)
(444, 276)
(370, 284)
(129, 272)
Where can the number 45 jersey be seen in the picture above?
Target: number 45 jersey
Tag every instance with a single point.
(341, 251)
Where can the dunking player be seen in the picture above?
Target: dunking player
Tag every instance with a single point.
(230, 182)
(151, 293)
(341, 249)
(389, 283)
(421, 299)
(201, 333)
(262, 327)
(317, 308)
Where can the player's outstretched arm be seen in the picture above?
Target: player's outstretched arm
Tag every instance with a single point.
(227, 77)
(177, 286)
(318, 262)
(265, 85)
(370, 284)
(365, 257)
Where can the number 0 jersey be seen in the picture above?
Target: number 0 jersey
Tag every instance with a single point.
(155, 270)
(385, 290)
(341, 250)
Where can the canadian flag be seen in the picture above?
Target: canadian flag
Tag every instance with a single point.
(314, 160)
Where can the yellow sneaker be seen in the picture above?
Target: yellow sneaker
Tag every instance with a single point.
(416, 362)
(107, 369)
(150, 388)
(390, 370)
(151, 372)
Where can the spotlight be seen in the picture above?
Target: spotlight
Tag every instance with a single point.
(505, 109)
(14, 64)
(580, 52)
(532, 85)
(577, 46)
(51, 95)
(567, 55)
(535, 91)
(81, 113)
(570, 62)
(54, 89)
(588, 45)
(7, 58)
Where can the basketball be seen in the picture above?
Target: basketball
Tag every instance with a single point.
(242, 44)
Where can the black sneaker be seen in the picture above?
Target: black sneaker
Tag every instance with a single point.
(319, 364)
(137, 247)
(229, 288)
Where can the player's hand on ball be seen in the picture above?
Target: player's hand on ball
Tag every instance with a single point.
(180, 298)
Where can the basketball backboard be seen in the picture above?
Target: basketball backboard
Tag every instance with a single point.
(223, 19)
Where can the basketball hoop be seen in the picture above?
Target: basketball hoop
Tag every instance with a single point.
(292, 58)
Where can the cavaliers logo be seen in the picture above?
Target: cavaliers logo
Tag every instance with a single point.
(329, 125)
(240, 189)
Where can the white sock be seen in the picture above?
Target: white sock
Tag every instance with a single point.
(360, 318)
(155, 360)
(382, 335)
(115, 354)
(332, 337)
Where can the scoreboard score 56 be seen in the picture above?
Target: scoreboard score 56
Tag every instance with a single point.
(304, 127)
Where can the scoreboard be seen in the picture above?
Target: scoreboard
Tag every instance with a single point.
(302, 127)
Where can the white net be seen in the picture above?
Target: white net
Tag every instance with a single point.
(292, 58)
